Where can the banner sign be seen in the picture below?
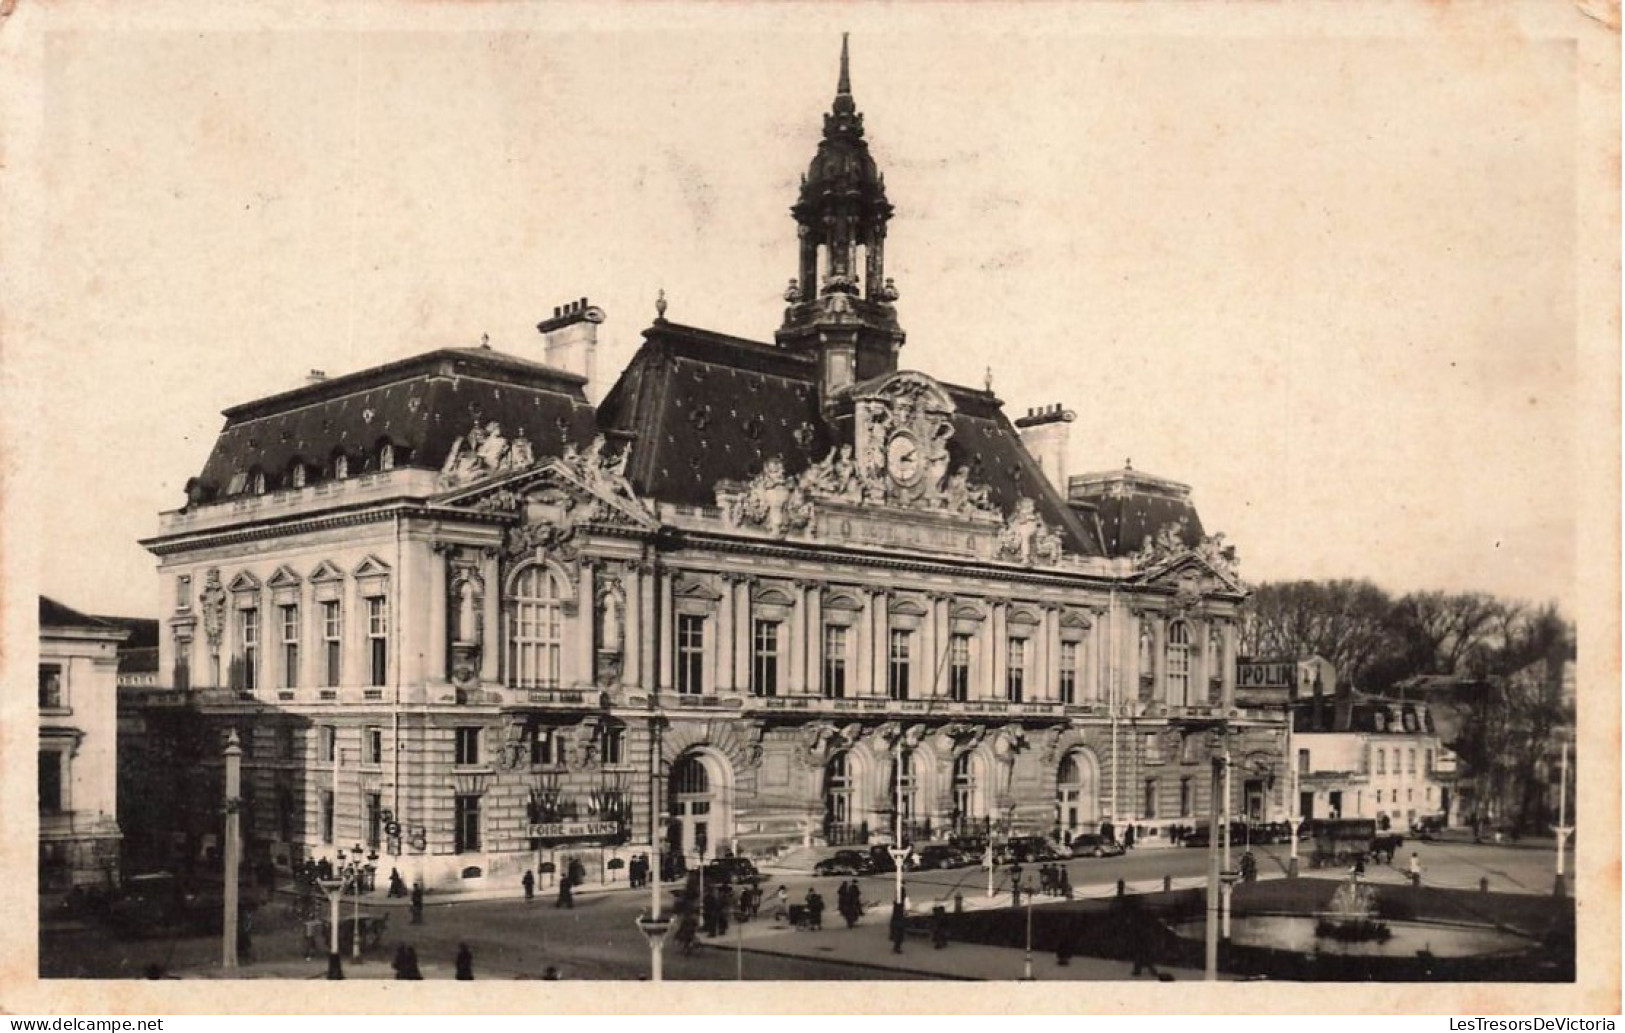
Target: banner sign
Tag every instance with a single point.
(1265, 683)
(574, 829)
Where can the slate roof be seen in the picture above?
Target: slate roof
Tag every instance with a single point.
(53, 614)
(420, 406)
(1132, 507)
(701, 407)
(139, 652)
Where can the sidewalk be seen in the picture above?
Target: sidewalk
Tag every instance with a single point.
(868, 945)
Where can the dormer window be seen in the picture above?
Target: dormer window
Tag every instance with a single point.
(341, 466)
(256, 482)
(296, 475)
(386, 457)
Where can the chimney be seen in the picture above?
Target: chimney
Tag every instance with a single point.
(1044, 432)
(315, 376)
(570, 342)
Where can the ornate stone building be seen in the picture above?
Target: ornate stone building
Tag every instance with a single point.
(763, 594)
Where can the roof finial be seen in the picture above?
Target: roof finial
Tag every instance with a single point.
(987, 380)
(845, 85)
(485, 341)
(660, 304)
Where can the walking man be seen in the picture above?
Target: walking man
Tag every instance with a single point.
(899, 927)
(529, 882)
(417, 903)
(465, 962)
(1415, 870)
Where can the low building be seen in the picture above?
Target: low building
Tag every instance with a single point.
(78, 781)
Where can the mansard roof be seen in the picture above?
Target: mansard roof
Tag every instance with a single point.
(1133, 507)
(700, 407)
(418, 406)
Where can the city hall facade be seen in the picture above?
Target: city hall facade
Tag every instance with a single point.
(765, 594)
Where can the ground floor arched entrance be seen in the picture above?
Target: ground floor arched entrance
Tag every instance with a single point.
(699, 802)
(1077, 793)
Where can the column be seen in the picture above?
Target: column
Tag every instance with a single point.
(632, 628)
(666, 620)
(491, 637)
(649, 642)
(1228, 672)
(815, 639)
(1159, 657)
(879, 622)
(929, 650)
(796, 646)
(726, 627)
(1050, 632)
(742, 634)
(861, 667)
(585, 611)
(1000, 648)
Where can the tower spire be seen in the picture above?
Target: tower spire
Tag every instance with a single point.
(845, 84)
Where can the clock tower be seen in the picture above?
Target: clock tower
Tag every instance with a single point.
(841, 305)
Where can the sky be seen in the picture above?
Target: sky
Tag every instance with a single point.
(1327, 278)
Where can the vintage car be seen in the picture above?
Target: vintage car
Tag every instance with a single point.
(160, 903)
(939, 855)
(1091, 845)
(845, 862)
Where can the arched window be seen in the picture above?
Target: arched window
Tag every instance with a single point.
(1179, 662)
(296, 475)
(535, 633)
(256, 482)
(386, 457)
(838, 825)
(341, 466)
(903, 789)
(968, 807)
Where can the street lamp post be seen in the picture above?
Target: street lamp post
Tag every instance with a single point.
(654, 925)
(1562, 828)
(1027, 960)
(898, 852)
(355, 889)
(234, 792)
(1228, 874)
(333, 887)
(1211, 936)
(1293, 804)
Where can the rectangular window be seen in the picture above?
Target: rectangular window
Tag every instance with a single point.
(468, 745)
(959, 668)
(1429, 768)
(330, 743)
(290, 646)
(50, 781)
(834, 661)
(1382, 762)
(50, 687)
(284, 742)
(1185, 798)
(1410, 762)
(764, 666)
(897, 669)
(612, 744)
(183, 593)
(378, 639)
(332, 643)
(690, 654)
(375, 818)
(1069, 672)
(183, 662)
(1015, 670)
(1303, 762)
(467, 824)
(372, 745)
(1153, 748)
(544, 747)
(250, 621)
(327, 815)
(1150, 809)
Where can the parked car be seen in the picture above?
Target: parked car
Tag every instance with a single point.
(845, 862)
(1029, 850)
(1091, 845)
(155, 903)
(880, 859)
(938, 856)
(738, 871)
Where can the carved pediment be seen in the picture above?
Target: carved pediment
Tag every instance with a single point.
(244, 582)
(1166, 551)
(843, 601)
(284, 577)
(690, 587)
(552, 501)
(372, 566)
(326, 571)
(1191, 577)
(1075, 619)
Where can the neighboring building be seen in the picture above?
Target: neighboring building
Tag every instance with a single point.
(78, 701)
(763, 594)
(1363, 756)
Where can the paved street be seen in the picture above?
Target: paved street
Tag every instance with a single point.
(598, 940)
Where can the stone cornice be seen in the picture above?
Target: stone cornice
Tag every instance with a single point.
(168, 545)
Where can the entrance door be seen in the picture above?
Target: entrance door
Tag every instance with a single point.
(1075, 794)
(1306, 806)
(1334, 804)
(1254, 792)
(690, 808)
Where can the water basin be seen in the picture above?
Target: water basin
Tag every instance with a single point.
(1297, 933)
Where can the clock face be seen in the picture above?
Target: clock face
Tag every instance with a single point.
(903, 459)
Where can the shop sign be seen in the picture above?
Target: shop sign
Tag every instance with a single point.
(575, 829)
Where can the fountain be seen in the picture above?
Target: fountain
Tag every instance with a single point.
(1353, 915)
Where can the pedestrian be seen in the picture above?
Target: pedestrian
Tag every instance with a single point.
(529, 882)
(815, 910)
(397, 885)
(412, 970)
(1128, 838)
(899, 927)
(567, 896)
(1015, 885)
(578, 871)
(313, 938)
(632, 872)
(782, 909)
(401, 963)
(939, 927)
(417, 903)
(1415, 870)
(245, 927)
(1142, 938)
(1066, 884)
(465, 962)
